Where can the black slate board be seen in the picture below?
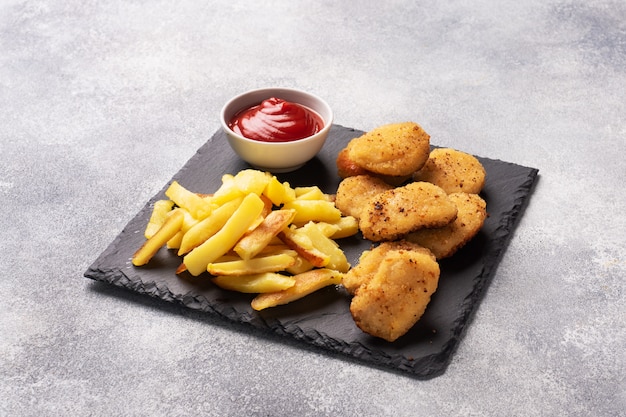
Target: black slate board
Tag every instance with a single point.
(323, 319)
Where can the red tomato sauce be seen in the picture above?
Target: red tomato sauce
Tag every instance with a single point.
(276, 120)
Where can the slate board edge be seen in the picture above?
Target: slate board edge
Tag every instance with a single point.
(423, 369)
(475, 298)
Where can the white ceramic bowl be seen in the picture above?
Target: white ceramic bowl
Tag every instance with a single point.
(276, 156)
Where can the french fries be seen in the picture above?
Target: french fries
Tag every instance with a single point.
(160, 210)
(336, 258)
(254, 242)
(268, 282)
(209, 226)
(306, 283)
(193, 203)
(168, 229)
(217, 245)
(254, 234)
(279, 193)
(299, 241)
(313, 210)
(271, 263)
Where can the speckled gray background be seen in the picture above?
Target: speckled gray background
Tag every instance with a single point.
(102, 102)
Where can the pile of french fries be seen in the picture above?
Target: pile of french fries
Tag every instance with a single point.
(255, 234)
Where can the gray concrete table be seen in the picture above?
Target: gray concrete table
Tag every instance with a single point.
(102, 102)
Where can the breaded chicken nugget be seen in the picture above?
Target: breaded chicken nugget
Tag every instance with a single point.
(396, 149)
(348, 168)
(394, 213)
(397, 295)
(453, 170)
(370, 261)
(447, 240)
(354, 192)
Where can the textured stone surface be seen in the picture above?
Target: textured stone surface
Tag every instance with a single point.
(102, 102)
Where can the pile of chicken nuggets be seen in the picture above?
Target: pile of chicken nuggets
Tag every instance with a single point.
(418, 206)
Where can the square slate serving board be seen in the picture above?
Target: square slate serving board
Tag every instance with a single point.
(323, 319)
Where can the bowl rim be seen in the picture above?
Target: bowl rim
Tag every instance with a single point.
(327, 121)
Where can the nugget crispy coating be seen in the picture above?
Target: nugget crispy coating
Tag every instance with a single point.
(348, 168)
(453, 170)
(396, 149)
(394, 213)
(370, 260)
(447, 240)
(397, 295)
(354, 192)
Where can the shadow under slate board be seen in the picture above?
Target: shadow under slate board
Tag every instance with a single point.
(323, 319)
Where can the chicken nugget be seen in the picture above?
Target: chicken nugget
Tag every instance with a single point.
(453, 170)
(394, 213)
(348, 168)
(354, 192)
(397, 295)
(447, 240)
(396, 149)
(370, 261)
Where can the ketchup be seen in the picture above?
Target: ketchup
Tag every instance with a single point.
(276, 120)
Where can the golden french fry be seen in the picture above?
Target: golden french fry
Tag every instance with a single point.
(207, 227)
(269, 206)
(251, 244)
(170, 227)
(188, 223)
(259, 219)
(345, 227)
(348, 226)
(279, 193)
(174, 242)
(311, 193)
(251, 234)
(226, 192)
(228, 258)
(192, 202)
(306, 283)
(251, 181)
(276, 241)
(270, 263)
(181, 268)
(337, 258)
(301, 265)
(327, 229)
(301, 243)
(255, 283)
(313, 210)
(277, 247)
(221, 242)
(158, 216)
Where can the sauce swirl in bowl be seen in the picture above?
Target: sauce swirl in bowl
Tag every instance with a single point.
(296, 122)
(276, 120)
